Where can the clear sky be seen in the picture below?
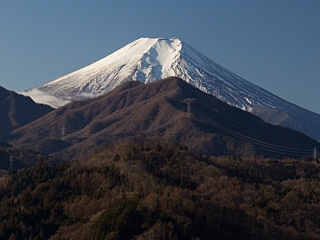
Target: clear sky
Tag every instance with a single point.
(274, 44)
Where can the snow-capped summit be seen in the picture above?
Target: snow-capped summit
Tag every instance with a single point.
(145, 60)
(150, 59)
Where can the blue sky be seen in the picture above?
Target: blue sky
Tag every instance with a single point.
(274, 44)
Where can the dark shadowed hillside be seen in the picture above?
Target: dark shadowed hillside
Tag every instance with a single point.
(300, 119)
(17, 110)
(12, 158)
(169, 108)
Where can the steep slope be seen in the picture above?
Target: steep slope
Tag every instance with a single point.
(169, 108)
(150, 59)
(17, 110)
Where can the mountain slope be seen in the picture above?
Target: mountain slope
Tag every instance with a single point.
(150, 59)
(160, 109)
(17, 110)
(147, 60)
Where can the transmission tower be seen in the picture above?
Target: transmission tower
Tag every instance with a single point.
(63, 132)
(11, 163)
(188, 101)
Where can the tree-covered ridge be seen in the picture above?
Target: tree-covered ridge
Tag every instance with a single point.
(162, 191)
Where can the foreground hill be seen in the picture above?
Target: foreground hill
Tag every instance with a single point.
(17, 110)
(150, 59)
(162, 191)
(171, 109)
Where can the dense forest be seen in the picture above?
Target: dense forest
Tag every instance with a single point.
(160, 190)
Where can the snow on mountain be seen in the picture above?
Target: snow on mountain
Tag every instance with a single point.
(145, 60)
(46, 98)
(151, 59)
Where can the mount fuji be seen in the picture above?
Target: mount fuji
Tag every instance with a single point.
(150, 59)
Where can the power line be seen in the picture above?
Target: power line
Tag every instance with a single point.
(280, 149)
(261, 144)
(66, 131)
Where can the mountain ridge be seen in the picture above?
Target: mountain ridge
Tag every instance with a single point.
(150, 59)
(160, 109)
(17, 110)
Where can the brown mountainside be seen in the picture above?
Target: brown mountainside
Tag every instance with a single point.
(160, 109)
(17, 110)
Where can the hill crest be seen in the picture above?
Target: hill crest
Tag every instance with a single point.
(160, 109)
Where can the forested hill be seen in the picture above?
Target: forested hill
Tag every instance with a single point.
(162, 191)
